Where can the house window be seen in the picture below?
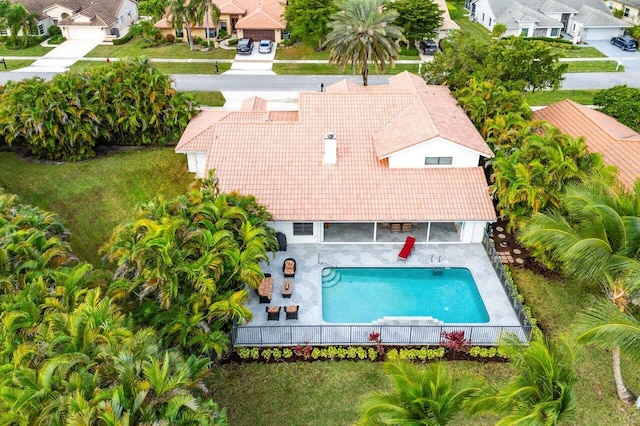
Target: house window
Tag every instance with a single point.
(55, 22)
(482, 16)
(179, 32)
(303, 228)
(438, 161)
(626, 12)
(525, 32)
(212, 33)
(41, 29)
(223, 26)
(554, 32)
(610, 6)
(489, 21)
(573, 27)
(122, 19)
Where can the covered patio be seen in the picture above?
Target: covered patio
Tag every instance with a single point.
(391, 232)
(311, 259)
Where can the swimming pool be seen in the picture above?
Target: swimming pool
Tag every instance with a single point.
(363, 295)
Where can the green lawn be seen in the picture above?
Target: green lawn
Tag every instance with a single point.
(167, 67)
(330, 69)
(92, 197)
(548, 97)
(579, 52)
(31, 51)
(208, 98)
(135, 48)
(300, 51)
(594, 66)
(14, 64)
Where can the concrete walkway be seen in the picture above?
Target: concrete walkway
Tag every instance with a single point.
(62, 57)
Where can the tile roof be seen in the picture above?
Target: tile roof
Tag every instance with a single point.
(447, 23)
(103, 13)
(618, 144)
(254, 103)
(280, 161)
(264, 17)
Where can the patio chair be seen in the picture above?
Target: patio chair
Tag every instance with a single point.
(287, 289)
(407, 248)
(265, 289)
(273, 313)
(395, 227)
(289, 268)
(407, 227)
(292, 312)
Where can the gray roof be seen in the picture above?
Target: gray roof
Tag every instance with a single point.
(520, 13)
(595, 4)
(553, 6)
(104, 11)
(632, 3)
(499, 6)
(591, 17)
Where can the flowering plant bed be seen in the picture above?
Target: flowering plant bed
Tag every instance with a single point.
(308, 353)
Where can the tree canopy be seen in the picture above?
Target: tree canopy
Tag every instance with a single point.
(122, 103)
(153, 8)
(418, 18)
(308, 20)
(518, 63)
(622, 103)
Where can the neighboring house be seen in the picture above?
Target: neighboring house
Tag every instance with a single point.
(244, 18)
(83, 19)
(353, 158)
(618, 144)
(584, 20)
(630, 9)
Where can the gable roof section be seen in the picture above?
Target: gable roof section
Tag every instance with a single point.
(552, 6)
(230, 7)
(618, 144)
(277, 157)
(447, 23)
(498, 7)
(591, 17)
(519, 13)
(264, 17)
(102, 13)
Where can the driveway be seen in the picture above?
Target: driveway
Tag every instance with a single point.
(254, 64)
(630, 60)
(62, 57)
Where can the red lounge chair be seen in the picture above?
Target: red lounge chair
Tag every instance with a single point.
(407, 249)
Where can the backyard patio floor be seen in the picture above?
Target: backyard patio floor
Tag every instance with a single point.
(312, 258)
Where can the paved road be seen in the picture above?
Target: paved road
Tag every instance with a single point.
(296, 83)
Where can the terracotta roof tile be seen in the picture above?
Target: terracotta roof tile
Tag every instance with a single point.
(254, 103)
(280, 162)
(618, 144)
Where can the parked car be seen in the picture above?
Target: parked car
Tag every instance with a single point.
(265, 46)
(245, 46)
(625, 43)
(428, 46)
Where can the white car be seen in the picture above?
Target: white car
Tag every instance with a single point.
(265, 46)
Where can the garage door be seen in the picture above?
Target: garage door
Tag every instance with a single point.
(85, 33)
(601, 33)
(260, 34)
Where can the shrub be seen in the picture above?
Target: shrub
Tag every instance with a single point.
(54, 30)
(122, 40)
(222, 33)
(56, 39)
(171, 38)
(455, 341)
(233, 42)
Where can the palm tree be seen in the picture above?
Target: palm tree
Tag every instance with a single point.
(599, 242)
(420, 396)
(542, 391)
(608, 324)
(363, 33)
(17, 19)
(181, 15)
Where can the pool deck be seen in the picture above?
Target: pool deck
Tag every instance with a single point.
(312, 258)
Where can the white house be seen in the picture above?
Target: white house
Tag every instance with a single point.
(584, 20)
(354, 164)
(84, 19)
(630, 9)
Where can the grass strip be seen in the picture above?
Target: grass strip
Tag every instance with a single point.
(136, 48)
(548, 97)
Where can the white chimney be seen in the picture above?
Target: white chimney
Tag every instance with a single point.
(330, 148)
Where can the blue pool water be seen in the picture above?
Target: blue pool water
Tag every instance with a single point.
(363, 295)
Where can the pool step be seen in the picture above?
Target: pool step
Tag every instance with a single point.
(428, 320)
(330, 277)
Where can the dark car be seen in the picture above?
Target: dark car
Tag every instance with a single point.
(625, 43)
(245, 46)
(428, 46)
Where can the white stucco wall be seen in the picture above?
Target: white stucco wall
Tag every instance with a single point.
(287, 229)
(127, 13)
(414, 157)
(484, 14)
(196, 162)
(57, 12)
(472, 232)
